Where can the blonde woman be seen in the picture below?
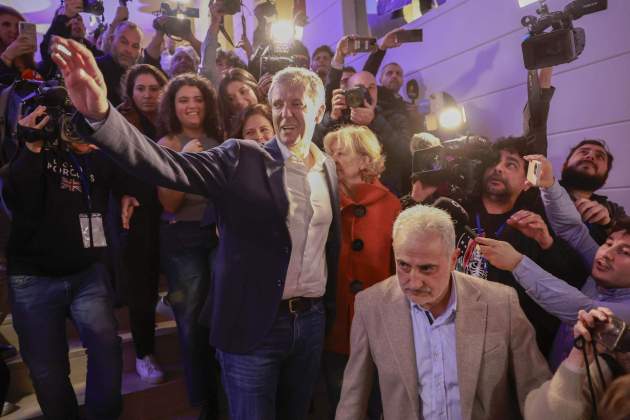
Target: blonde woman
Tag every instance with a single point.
(368, 211)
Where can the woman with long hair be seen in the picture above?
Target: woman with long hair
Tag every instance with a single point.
(368, 212)
(237, 91)
(136, 252)
(188, 118)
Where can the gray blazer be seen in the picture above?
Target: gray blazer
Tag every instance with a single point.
(498, 361)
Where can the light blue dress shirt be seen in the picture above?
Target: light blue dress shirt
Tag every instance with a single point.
(436, 361)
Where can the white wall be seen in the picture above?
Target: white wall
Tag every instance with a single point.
(472, 50)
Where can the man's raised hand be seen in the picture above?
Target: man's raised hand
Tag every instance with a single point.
(83, 79)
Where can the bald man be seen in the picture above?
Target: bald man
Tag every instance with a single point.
(391, 132)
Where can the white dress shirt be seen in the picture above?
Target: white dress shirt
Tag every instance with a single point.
(309, 219)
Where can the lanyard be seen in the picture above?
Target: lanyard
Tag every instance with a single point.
(84, 178)
(480, 229)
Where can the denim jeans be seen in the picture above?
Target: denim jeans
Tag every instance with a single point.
(40, 308)
(277, 378)
(185, 248)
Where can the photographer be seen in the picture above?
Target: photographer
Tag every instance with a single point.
(57, 195)
(392, 133)
(608, 284)
(67, 23)
(495, 213)
(567, 396)
(586, 167)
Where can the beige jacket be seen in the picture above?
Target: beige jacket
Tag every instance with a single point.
(566, 396)
(498, 361)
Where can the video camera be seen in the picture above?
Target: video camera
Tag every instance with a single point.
(55, 98)
(270, 63)
(563, 43)
(94, 7)
(459, 164)
(175, 24)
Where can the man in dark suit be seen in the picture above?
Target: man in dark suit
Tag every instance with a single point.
(278, 218)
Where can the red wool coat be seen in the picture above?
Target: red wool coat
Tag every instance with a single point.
(366, 255)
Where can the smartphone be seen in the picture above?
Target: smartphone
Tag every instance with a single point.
(362, 44)
(28, 29)
(409, 35)
(533, 172)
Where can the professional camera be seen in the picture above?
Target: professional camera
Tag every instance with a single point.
(175, 24)
(459, 164)
(58, 107)
(356, 96)
(274, 63)
(94, 7)
(563, 43)
(230, 7)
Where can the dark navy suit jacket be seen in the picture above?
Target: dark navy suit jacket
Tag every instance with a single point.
(246, 185)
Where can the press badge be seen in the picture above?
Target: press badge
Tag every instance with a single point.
(92, 231)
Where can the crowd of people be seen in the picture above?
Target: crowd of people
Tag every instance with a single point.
(296, 238)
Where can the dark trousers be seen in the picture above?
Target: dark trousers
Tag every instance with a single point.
(40, 308)
(141, 271)
(185, 251)
(276, 380)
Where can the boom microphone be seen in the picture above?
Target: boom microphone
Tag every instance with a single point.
(457, 213)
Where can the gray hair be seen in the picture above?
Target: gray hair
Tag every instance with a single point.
(420, 219)
(127, 24)
(298, 76)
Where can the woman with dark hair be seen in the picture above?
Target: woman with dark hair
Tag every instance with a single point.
(136, 254)
(256, 123)
(237, 91)
(17, 52)
(188, 117)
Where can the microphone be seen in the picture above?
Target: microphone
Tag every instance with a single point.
(457, 213)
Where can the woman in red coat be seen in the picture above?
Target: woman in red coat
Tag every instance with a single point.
(368, 211)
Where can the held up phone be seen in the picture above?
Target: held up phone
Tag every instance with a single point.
(362, 44)
(28, 29)
(533, 172)
(614, 335)
(409, 35)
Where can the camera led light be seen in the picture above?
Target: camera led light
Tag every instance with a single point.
(452, 118)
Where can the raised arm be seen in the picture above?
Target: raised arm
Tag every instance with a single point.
(554, 295)
(204, 173)
(564, 218)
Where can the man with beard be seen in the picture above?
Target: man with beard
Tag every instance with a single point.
(503, 211)
(609, 283)
(125, 51)
(585, 171)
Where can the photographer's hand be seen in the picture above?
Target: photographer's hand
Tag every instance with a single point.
(593, 212)
(585, 322)
(20, 46)
(500, 254)
(342, 51)
(390, 40)
(215, 16)
(83, 79)
(338, 105)
(533, 226)
(363, 115)
(30, 121)
(546, 170)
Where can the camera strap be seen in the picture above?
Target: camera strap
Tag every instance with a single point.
(90, 223)
(480, 229)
